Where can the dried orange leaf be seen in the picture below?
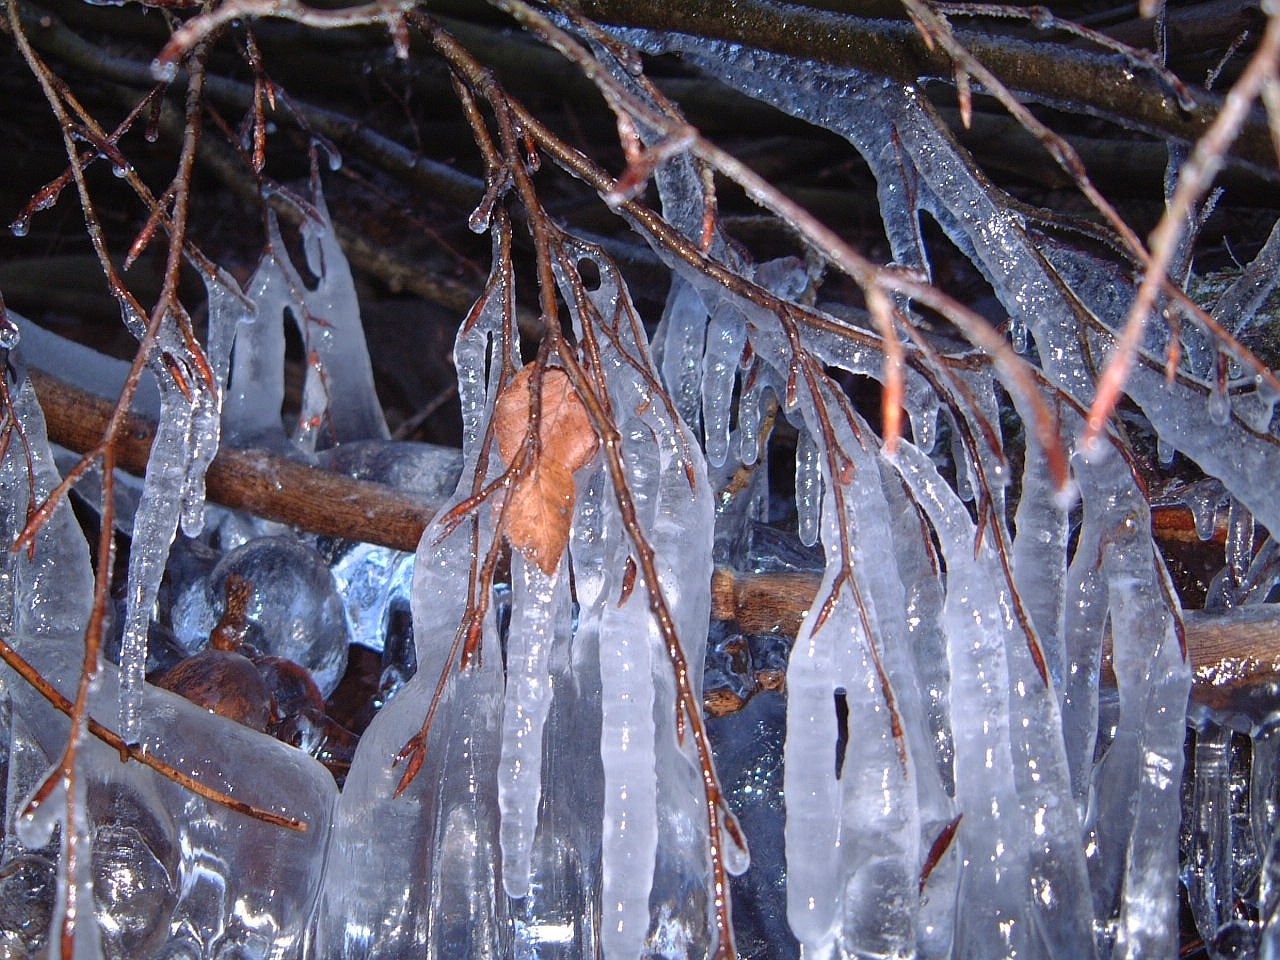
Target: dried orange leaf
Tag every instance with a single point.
(565, 433)
(539, 513)
(511, 416)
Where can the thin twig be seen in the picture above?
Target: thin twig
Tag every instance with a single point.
(137, 752)
(1193, 180)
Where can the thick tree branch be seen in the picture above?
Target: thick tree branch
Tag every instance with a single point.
(1228, 651)
(257, 481)
(1081, 80)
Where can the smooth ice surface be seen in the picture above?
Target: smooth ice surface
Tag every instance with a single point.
(339, 402)
(174, 872)
(162, 871)
(293, 609)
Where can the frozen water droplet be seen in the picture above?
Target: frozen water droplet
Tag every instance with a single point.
(1066, 498)
(20, 226)
(1042, 19)
(1018, 335)
(478, 221)
(9, 333)
(1203, 500)
(35, 826)
(1265, 398)
(164, 71)
(736, 856)
(1165, 451)
(1219, 407)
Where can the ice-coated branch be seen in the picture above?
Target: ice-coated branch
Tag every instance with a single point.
(257, 481)
(277, 488)
(1102, 84)
(776, 602)
(138, 753)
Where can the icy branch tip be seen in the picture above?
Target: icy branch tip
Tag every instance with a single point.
(1065, 498)
(1092, 449)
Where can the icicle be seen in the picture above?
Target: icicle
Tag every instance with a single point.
(1219, 405)
(922, 582)
(1223, 447)
(922, 410)
(992, 837)
(1265, 400)
(539, 606)
(73, 895)
(1264, 780)
(1263, 572)
(678, 347)
(226, 311)
(168, 478)
(255, 393)
(960, 457)
(1018, 334)
(927, 671)
(419, 873)
(1084, 617)
(980, 405)
(339, 401)
(1239, 548)
(1208, 873)
(48, 593)
(559, 916)
(1203, 500)
(46, 599)
(1021, 826)
(808, 486)
(726, 334)
(627, 751)
(749, 423)
(1264, 804)
(338, 390)
(1137, 781)
(1027, 277)
(851, 838)
(1040, 556)
(484, 342)
(674, 899)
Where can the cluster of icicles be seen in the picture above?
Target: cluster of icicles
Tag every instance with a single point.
(982, 803)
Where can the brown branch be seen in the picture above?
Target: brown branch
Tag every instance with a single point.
(1218, 645)
(140, 753)
(257, 481)
(1101, 84)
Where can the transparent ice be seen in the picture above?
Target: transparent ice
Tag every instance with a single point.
(293, 610)
(943, 776)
